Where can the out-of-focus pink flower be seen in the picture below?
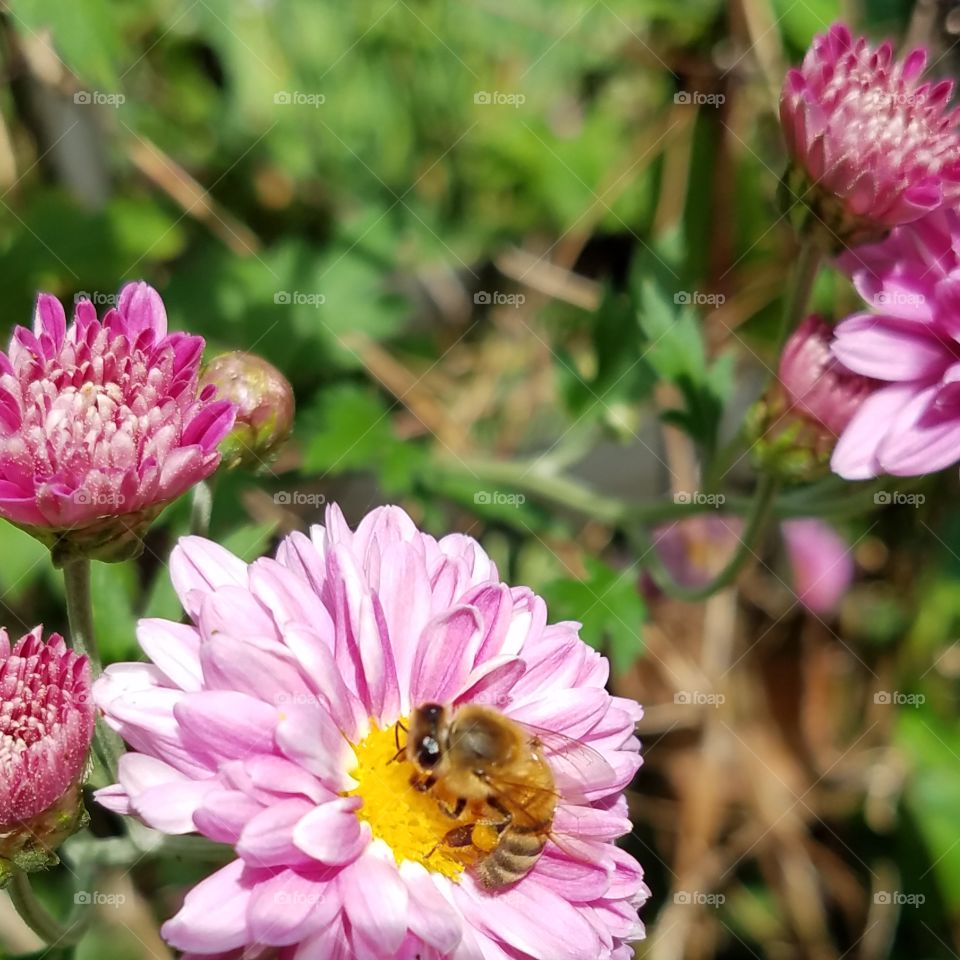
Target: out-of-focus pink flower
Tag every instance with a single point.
(795, 426)
(694, 550)
(817, 385)
(909, 340)
(874, 142)
(821, 563)
(102, 420)
(46, 726)
(267, 724)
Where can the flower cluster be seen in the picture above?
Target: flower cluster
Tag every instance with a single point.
(880, 146)
(269, 723)
(102, 423)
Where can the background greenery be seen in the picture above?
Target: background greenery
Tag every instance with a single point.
(477, 304)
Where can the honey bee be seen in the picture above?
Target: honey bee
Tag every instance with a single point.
(492, 773)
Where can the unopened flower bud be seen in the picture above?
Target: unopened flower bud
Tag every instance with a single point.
(46, 727)
(871, 146)
(265, 405)
(796, 426)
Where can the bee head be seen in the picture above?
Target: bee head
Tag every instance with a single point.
(426, 740)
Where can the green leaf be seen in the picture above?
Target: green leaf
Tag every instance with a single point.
(609, 607)
(86, 35)
(347, 428)
(25, 561)
(250, 541)
(933, 792)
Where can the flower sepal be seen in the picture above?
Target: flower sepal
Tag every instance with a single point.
(31, 846)
(815, 212)
(110, 540)
(793, 447)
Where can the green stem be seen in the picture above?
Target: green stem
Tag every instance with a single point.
(804, 277)
(201, 508)
(76, 582)
(756, 521)
(38, 918)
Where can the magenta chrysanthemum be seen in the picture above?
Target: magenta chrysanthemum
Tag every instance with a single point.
(268, 722)
(46, 725)
(910, 340)
(863, 129)
(102, 419)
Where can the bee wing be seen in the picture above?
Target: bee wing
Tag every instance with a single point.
(577, 768)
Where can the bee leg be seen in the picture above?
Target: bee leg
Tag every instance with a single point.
(500, 825)
(422, 786)
(457, 837)
(454, 812)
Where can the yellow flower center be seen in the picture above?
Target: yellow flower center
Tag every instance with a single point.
(408, 821)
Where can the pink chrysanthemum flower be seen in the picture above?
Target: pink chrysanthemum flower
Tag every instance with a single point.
(46, 726)
(101, 421)
(268, 724)
(909, 340)
(878, 147)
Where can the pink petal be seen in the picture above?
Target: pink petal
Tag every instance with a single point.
(331, 832)
(214, 914)
(855, 455)
(198, 566)
(380, 921)
(267, 840)
(174, 648)
(288, 908)
(308, 736)
(142, 308)
(886, 349)
(446, 654)
(226, 724)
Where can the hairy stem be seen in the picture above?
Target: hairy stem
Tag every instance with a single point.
(36, 916)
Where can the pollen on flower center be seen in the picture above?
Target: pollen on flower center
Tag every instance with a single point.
(409, 822)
